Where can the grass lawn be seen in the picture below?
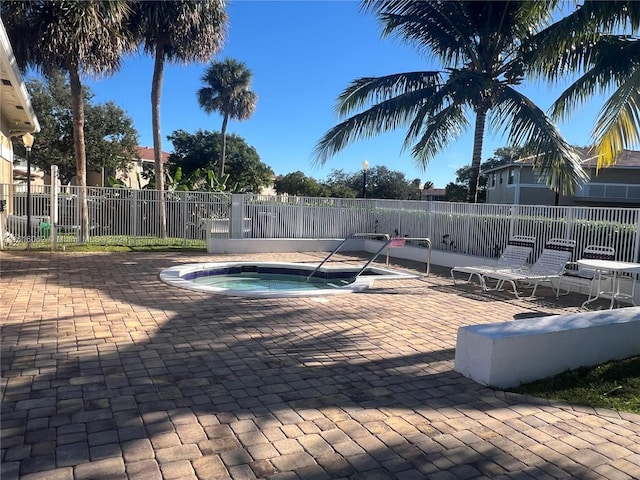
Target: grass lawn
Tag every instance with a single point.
(613, 385)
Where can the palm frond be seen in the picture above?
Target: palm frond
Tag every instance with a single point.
(527, 125)
(368, 90)
(190, 30)
(442, 28)
(56, 34)
(442, 129)
(385, 116)
(617, 126)
(566, 44)
(611, 60)
(454, 92)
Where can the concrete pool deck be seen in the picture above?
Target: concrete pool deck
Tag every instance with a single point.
(108, 373)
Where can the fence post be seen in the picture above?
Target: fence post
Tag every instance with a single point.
(636, 250)
(54, 207)
(513, 212)
(236, 216)
(185, 216)
(470, 218)
(569, 227)
(134, 216)
(300, 216)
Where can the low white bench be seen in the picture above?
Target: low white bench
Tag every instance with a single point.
(507, 354)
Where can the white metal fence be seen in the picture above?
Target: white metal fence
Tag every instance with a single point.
(130, 217)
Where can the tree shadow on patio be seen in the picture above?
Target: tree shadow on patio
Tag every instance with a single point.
(370, 389)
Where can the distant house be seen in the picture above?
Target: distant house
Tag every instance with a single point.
(433, 194)
(144, 164)
(615, 186)
(133, 178)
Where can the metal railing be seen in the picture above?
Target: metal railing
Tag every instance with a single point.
(130, 217)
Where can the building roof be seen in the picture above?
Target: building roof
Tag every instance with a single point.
(15, 106)
(434, 192)
(146, 153)
(626, 159)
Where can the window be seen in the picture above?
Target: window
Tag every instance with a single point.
(511, 178)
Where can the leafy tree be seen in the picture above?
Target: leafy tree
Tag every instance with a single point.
(481, 46)
(245, 171)
(181, 32)
(455, 192)
(110, 138)
(463, 176)
(227, 91)
(79, 38)
(297, 183)
(199, 180)
(247, 174)
(381, 183)
(503, 156)
(340, 191)
(590, 41)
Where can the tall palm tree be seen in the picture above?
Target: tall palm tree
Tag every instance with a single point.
(590, 42)
(227, 91)
(480, 46)
(180, 31)
(76, 37)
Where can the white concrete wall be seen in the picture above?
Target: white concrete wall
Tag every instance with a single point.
(279, 245)
(510, 353)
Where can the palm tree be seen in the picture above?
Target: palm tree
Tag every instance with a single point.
(180, 32)
(227, 91)
(75, 37)
(586, 42)
(480, 45)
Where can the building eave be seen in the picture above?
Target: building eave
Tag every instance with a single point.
(16, 105)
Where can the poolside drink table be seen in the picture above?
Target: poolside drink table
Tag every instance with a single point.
(616, 268)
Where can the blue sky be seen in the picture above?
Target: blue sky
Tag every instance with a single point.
(302, 55)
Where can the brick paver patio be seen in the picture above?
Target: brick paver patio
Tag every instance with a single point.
(108, 373)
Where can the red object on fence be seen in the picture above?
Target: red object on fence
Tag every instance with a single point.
(397, 242)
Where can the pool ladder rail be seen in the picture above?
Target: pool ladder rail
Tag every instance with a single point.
(388, 243)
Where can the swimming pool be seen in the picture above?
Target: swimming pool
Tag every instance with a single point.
(275, 279)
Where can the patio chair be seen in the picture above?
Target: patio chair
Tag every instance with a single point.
(514, 256)
(575, 273)
(548, 268)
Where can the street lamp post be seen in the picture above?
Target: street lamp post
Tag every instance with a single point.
(27, 141)
(365, 167)
(421, 187)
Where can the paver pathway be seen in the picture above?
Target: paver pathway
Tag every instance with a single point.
(107, 373)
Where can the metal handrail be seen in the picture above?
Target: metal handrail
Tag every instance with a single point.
(354, 235)
(417, 239)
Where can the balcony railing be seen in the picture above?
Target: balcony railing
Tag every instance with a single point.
(610, 192)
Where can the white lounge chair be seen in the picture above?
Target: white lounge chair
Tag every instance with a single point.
(575, 273)
(548, 268)
(514, 256)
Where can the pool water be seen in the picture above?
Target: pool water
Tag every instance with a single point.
(274, 279)
(252, 281)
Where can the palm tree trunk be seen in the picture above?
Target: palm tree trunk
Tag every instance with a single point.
(225, 120)
(77, 111)
(156, 90)
(478, 140)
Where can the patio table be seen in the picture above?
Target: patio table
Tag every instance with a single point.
(616, 268)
